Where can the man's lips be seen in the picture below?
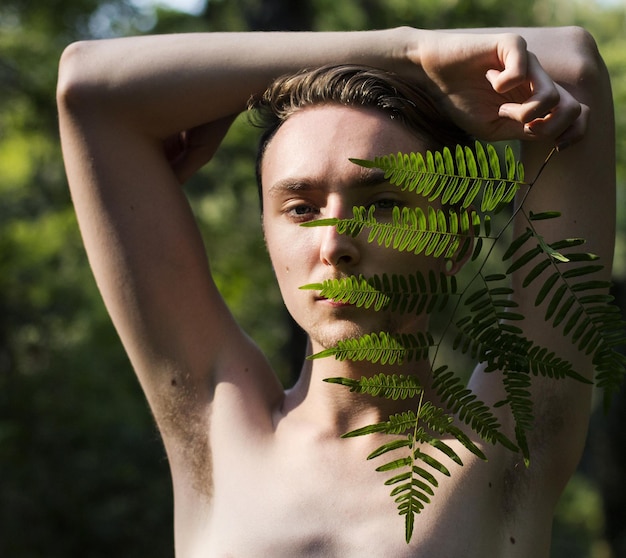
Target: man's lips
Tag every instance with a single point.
(331, 302)
(318, 297)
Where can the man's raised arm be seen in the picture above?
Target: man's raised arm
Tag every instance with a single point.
(125, 103)
(579, 182)
(138, 116)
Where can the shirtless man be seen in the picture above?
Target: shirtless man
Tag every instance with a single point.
(257, 471)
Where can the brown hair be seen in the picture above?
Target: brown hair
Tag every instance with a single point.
(352, 85)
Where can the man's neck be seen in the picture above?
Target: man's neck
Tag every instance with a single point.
(335, 408)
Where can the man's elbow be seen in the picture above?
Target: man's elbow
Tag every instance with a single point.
(76, 83)
(586, 67)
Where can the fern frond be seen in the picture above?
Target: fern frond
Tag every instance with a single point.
(458, 180)
(424, 441)
(430, 417)
(501, 350)
(489, 305)
(441, 422)
(389, 386)
(381, 347)
(414, 293)
(463, 403)
(589, 318)
(391, 446)
(519, 399)
(400, 423)
(431, 232)
(413, 495)
(609, 365)
(352, 290)
(413, 487)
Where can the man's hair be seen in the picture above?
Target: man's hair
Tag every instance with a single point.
(356, 86)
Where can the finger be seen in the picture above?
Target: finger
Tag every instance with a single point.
(175, 147)
(564, 119)
(201, 143)
(575, 132)
(514, 57)
(193, 162)
(544, 96)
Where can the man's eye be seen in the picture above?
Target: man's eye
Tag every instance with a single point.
(385, 204)
(301, 211)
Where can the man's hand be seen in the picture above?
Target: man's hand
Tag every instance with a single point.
(189, 150)
(493, 87)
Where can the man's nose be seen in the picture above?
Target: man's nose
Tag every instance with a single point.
(338, 249)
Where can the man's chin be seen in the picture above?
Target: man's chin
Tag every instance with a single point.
(331, 336)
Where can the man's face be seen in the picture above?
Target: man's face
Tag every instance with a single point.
(307, 175)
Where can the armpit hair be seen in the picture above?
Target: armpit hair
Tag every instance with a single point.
(549, 423)
(183, 420)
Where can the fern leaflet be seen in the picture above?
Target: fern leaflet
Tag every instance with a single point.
(454, 181)
(382, 385)
(381, 347)
(414, 293)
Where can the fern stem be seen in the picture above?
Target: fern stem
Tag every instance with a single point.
(495, 240)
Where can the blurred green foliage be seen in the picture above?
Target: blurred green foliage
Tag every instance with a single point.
(82, 468)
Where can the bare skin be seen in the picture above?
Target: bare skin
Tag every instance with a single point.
(261, 472)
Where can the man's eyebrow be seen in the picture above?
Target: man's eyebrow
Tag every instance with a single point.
(369, 178)
(289, 185)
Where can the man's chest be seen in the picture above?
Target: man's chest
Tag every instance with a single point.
(310, 499)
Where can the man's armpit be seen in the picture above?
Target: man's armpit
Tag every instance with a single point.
(183, 420)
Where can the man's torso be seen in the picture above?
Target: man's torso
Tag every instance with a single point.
(280, 487)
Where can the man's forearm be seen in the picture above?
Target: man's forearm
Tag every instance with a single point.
(189, 79)
(163, 84)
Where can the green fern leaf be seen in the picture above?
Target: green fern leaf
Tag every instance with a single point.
(415, 293)
(398, 293)
(536, 272)
(543, 215)
(546, 288)
(488, 305)
(422, 486)
(390, 446)
(380, 347)
(517, 244)
(395, 464)
(400, 423)
(441, 176)
(463, 402)
(524, 259)
(352, 290)
(433, 232)
(431, 462)
(590, 318)
(610, 366)
(389, 386)
(567, 243)
(519, 399)
(445, 449)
